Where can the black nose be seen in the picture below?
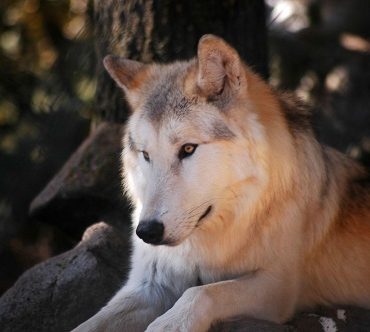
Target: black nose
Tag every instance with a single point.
(150, 231)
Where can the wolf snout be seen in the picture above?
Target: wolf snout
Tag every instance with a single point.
(150, 231)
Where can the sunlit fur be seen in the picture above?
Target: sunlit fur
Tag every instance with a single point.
(289, 227)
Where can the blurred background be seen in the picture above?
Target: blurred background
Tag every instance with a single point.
(50, 68)
(47, 86)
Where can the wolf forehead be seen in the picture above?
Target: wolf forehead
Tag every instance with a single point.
(164, 99)
(163, 94)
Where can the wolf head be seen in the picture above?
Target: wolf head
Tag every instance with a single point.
(194, 143)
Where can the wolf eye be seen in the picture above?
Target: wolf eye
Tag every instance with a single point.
(146, 155)
(187, 150)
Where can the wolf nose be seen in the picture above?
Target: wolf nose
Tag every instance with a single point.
(150, 231)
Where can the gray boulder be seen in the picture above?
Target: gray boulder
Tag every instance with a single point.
(65, 290)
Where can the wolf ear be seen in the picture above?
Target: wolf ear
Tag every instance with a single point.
(219, 66)
(123, 71)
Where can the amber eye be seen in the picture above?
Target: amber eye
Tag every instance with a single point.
(187, 150)
(146, 156)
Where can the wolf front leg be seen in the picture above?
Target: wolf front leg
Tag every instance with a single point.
(262, 295)
(152, 288)
(131, 309)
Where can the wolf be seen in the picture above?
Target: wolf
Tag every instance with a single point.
(238, 209)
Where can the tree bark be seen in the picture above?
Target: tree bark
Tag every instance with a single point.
(165, 30)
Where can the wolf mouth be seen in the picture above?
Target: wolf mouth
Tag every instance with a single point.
(205, 214)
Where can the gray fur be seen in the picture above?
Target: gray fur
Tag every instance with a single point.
(165, 99)
(130, 143)
(220, 131)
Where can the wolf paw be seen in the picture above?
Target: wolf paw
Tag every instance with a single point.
(186, 315)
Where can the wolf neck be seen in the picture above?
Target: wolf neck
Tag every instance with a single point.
(296, 163)
(301, 170)
(281, 152)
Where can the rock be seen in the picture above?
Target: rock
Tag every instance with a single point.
(249, 325)
(65, 290)
(337, 319)
(88, 187)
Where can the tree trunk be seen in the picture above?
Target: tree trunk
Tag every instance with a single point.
(165, 30)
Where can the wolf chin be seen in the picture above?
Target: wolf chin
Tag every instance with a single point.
(239, 210)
